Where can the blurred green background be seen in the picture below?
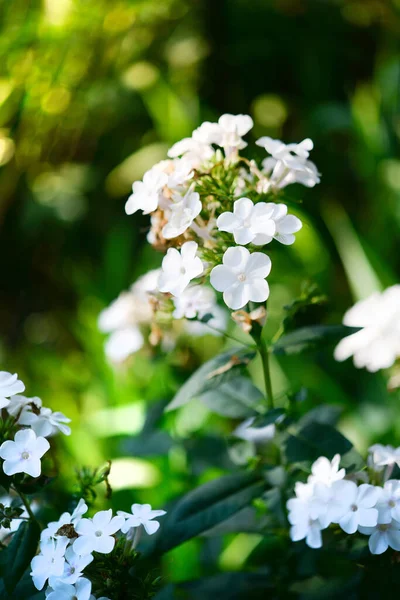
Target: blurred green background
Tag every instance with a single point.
(92, 93)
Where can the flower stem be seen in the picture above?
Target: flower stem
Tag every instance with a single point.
(27, 505)
(263, 350)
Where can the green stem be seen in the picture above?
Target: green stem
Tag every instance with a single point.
(27, 505)
(263, 350)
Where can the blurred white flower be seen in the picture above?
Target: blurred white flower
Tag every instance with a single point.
(383, 535)
(50, 562)
(258, 435)
(122, 343)
(325, 471)
(241, 277)
(179, 268)
(195, 151)
(142, 514)
(64, 591)
(46, 423)
(195, 301)
(24, 453)
(215, 326)
(96, 534)
(146, 193)
(19, 403)
(357, 504)
(249, 223)
(9, 386)
(73, 568)
(377, 345)
(381, 456)
(182, 214)
(307, 513)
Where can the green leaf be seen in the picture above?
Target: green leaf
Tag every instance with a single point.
(20, 552)
(268, 418)
(219, 369)
(309, 337)
(206, 506)
(237, 398)
(314, 440)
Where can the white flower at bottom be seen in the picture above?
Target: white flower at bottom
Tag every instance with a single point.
(356, 505)
(9, 386)
(50, 562)
(383, 535)
(142, 514)
(241, 277)
(95, 535)
(179, 268)
(24, 453)
(73, 567)
(308, 529)
(389, 502)
(64, 591)
(249, 222)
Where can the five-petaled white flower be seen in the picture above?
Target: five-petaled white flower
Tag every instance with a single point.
(241, 277)
(230, 131)
(142, 514)
(292, 155)
(355, 505)
(46, 423)
(146, 193)
(195, 301)
(385, 534)
(182, 214)
(377, 345)
(96, 534)
(179, 268)
(249, 223)
(286, 225)
(50, 561)
(325, 471)
(9, 386)
(389, 502)
(64, 591)
(73, 568)
(24, 453)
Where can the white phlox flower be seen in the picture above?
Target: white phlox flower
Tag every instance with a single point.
(73, 568)
(381, 456)
(179, 268)
(146, 193)
(24, 453)
(258, 435)
(242, 277)
(195, 301)
(230, 132)
(308, 513)
(182, 214)
(326, 471)
(355, 504)
(50, 532)
(285, 225)
(64, 591)
(141, 514)
(179, 174)
(46, 423)
(291, 155)
(385, 534)
(19, 403)
(9, 386)
(122, 343)
(377, 345)
(50, 562)
(249, 223)
(389, 502)
(96, 534)
(195, 151)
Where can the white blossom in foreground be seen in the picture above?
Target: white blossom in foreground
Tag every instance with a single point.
(142, 514)
(64, 591)
(241, 277)
(179, 268)
(357, 505)
(9, 386)
(383, 535)
(377, 345)
(49, 563)
(73, 568)
(146, 193)
(96, 534)
(249, 223)
(182, 215)
(46, 423)
(24, 453)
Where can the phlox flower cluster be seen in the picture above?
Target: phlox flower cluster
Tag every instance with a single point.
(68, 546)
(328, 497)
(29, 424)
(213, 212)
(377, 344)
